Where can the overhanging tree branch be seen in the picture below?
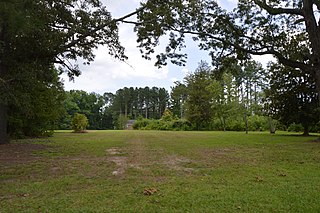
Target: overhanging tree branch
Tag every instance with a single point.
(260, 51)
(277, 11)
(88, 33)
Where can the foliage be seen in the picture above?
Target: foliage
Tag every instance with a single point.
(104, 111)
(223, 99)
(147, 102)
(36, 112)
(315, 128)
(167, 115)
(34, 35)
(167, 125)
(79, 122)
(89, 104)
(182, 124)
(258, 123)
(141, 123)
(179, 95)
(254, 27)
(292, 90)
(122, 122)
(198, 109)
(288, 30)
(295, 128)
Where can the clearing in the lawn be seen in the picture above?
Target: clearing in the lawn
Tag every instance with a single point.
(153, 171)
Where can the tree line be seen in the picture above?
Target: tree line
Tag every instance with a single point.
(238, 97)
(108, 110)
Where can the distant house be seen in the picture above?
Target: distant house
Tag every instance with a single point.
(130, 124)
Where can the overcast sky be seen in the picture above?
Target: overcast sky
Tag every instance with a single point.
(106, 74)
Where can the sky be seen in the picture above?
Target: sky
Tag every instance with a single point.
(106, 74)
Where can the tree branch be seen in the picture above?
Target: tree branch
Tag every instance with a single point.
(132, 22)
(260, 51)
(277, 11)
(130, 14)
(88, 33)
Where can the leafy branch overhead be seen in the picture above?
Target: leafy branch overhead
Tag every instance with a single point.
(58, 32)
(36, 34)
(254, 27)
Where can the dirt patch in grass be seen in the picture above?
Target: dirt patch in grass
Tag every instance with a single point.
(113, 151)
(121, 163)
(178, 163)
(11, 154)
(223, 156)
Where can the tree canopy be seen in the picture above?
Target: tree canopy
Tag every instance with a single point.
(254, 27)
(35, 34)
(292, 97)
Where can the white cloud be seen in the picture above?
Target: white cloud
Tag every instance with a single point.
(185, 71)
(106, 74)
(263, 59)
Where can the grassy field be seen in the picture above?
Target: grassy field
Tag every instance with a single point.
(149, 171)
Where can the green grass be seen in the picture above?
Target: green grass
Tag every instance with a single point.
(108, 171)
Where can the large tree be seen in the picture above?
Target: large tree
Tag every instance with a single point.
(179, 94)
(292, 97)
(199, 99)
(255, 27)
(36, 111)
(34, 34)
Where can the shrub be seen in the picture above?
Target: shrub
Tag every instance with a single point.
(236, 125)
(258, 123)
(79, 122)
(295, 128)
(141, 123)
(122, 122)
(166, 125)
(182, 125)
(167, 115)
(315, 128)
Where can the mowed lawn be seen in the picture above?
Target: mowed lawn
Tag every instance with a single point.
(155, 171)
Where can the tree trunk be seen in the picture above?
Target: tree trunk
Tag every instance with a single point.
(246, 121)
(271, 126)
(317, 78)
(3, 106)
(3, 124)
(306, 131)
(224, 124)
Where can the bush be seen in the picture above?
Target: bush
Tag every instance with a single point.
(79, 122)
(236, 125)
(166, 125)
(295, 128)
(315, 128)
(167, 115)
(258, 123)
(182, 125)
(141, 123)
(122, 122)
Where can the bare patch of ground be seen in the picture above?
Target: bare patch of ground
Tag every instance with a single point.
(113, 151)
(11, 154)
(219, 156)
(121, 163)
(175, 162)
